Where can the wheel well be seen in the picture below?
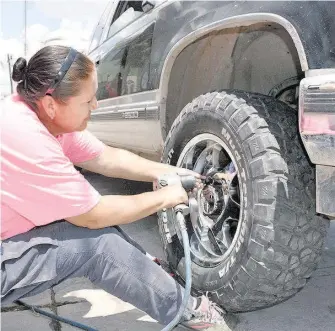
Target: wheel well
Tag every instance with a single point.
(257, 58)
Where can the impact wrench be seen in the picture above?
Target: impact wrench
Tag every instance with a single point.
(188, 182)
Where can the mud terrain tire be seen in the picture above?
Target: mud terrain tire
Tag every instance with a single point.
(280, 238)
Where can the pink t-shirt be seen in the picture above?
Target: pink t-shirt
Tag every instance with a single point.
(39, 183)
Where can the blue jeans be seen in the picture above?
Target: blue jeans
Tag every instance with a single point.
(45, 256)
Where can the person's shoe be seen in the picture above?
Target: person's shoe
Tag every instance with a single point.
(207, 315)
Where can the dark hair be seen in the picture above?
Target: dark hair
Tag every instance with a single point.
(36, 77)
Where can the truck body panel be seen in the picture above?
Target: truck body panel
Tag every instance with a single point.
(135, 51)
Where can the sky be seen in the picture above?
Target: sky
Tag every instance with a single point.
(71, 22)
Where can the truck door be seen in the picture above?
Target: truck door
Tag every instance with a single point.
(125, 116)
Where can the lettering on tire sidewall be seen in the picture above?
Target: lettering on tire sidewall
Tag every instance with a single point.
(169, 156)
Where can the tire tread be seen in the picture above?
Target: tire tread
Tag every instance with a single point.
(283, 249)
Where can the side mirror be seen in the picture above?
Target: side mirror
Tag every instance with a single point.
(148, 5)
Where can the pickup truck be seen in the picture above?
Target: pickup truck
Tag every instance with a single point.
(244, 90)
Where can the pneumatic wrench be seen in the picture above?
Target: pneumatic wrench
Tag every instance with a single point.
(188, 182)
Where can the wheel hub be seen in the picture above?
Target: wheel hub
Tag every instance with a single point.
(211, 200)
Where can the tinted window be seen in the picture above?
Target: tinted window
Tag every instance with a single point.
(110, 75)
(126, 71)
(137, 63)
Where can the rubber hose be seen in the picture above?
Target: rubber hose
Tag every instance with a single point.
(188, 279)
(56, 317)
(188, 283)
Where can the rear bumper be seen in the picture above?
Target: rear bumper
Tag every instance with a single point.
(317, 130)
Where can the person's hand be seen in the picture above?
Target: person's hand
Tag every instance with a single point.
(186, 172)
(174, 195)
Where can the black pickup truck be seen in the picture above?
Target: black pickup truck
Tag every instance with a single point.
(242, 89)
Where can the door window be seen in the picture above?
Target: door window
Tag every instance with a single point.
(110, 75)
(126, 12)
(126, 70)
(137, 63)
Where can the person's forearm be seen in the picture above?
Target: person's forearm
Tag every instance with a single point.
(145, 170)
(119, 163)
(116, 210)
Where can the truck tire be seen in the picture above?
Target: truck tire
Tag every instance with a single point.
(278, 237)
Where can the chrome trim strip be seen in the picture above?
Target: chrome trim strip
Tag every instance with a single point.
(115, 109)
(148, 114)
(146, 96)
(126, 102)
(144, 103)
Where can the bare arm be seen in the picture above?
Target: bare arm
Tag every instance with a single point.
(119, 163)
(118, 209)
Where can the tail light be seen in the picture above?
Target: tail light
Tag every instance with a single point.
(317, 105)
(317, 117)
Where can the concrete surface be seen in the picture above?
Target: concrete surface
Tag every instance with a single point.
(310, 310)
(24, 320)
